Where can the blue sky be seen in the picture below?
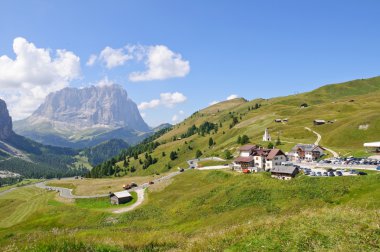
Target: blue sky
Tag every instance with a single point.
(212, 49)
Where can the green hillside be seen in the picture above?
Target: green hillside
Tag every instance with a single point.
(347, 106)
(205, 211)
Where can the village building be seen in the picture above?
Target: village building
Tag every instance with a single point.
(255, 159)
(319, 122)
(266, 137)
(118, 198)
(245, 159)
(284, 172)
(307, 152)
(274, 159)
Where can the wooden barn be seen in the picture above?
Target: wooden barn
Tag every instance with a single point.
(118, 198)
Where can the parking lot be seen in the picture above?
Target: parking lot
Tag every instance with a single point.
(323, 172)
(350, 161)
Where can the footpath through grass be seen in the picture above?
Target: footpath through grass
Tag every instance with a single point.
(214, 210)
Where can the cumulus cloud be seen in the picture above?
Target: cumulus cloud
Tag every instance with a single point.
(231, 97)
(91, 60)
(148, 105)
(166, 99)
(35, 72)
(161, 64)
(114, 57)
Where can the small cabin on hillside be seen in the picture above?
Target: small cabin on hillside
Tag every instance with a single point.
(319, 122)
(118, 198)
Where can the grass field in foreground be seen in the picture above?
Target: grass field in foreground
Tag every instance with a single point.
(208, 210)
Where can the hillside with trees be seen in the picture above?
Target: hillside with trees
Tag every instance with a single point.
(223, 127)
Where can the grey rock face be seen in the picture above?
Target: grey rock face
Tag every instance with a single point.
(107, 106)
(5, 121)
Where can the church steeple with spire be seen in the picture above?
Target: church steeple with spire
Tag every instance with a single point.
(266, 137)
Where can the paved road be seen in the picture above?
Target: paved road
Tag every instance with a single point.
(194, 162)
(67, 193)
(319, 137)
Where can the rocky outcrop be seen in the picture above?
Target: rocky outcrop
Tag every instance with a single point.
(79, 118)
(107, 106)
(5, 121)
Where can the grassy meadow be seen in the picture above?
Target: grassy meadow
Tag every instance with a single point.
(205, 211)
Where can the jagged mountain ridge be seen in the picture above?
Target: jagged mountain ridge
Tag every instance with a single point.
(84, 117)
(5, 121)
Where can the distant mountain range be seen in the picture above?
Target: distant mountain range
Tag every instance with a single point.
(80, 118)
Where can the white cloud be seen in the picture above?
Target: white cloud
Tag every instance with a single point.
(105, 82)
(114, 57)
(161, 64)
(166, 99)
(231, 97)
(170, 99)
(91, 61)
(151, 104)
(181, 112)
(213, 103)
(175, 118)
(35, 72)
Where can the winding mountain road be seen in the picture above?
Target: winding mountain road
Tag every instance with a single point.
(319, 138)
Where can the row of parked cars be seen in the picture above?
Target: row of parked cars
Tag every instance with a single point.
(351, 161)
(331, 172)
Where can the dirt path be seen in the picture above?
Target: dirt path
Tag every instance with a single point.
(319, 138)
(140, 199)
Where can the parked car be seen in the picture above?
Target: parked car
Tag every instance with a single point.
(319, 174)
(378, 168)
(151, 182)
(312, 174)
(181, 170)
(353, 172)
(325, 174)
(331, 174)
(339, 173)
(362, 173)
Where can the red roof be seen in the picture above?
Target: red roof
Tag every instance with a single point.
(244, 159)
(273, 153)
(247, 147)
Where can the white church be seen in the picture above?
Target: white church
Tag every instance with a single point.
(266, 137)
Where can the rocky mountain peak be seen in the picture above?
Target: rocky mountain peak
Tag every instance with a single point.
(5, 121)
(107, 106)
